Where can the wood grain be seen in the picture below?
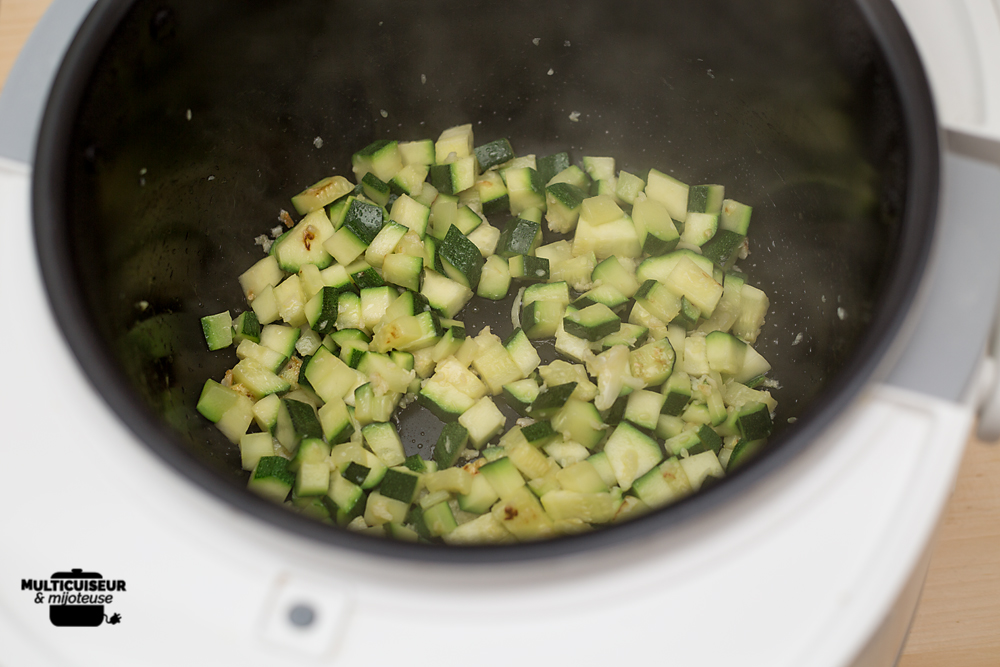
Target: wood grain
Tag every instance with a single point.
(958, 620)
(17, 18)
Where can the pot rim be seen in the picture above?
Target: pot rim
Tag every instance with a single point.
(899, 296)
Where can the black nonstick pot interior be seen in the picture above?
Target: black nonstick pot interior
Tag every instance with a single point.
(177, 130)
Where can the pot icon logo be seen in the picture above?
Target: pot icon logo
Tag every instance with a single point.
(76, 598)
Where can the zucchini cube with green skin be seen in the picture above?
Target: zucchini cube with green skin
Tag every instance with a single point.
(258, 380)
(461, 259)
(541, 319)
(525, 189)
(563, 203)
(492, 193)
(296, 420)
(519, 395)
(700, 467)
(420, 152)
(631, 454)
(658, 300)
(628, 187)
(579, 421)
(519, 237)
(254, 446)
(385, 243)
(653, 362)
(321, 311)
(218, 330)
(381, 157)
(494, 153)
(410, 213)
(215, 400)
(454, 143)
(444, 294)
(611, 272)
(688, 316)
(330, 378)
(618, 237)
(311, 450)
(592, 323)
(450, 444)
(725, 352)
(483, 421)
(480, 498)
(699, 228)
(735, 217)
(663, 484)
(661, 233)
(550, 165)
(345, 246)
(522, 514)
(454, 177)
(708, 439)
(677, 393)
(409, 180)
(503, 477)
(321, 194)
(599, 168)
(528, 268)
(551, 401)
(246, 327)
(365, 277)
(403, 270)
(670, 192)
(265, 272)
(724, 247)
(494, 282)
(271, 478)
(522, 352)
(364, 220)
(700, 287)
(375, 189)
(539, 433)
(581, 477)
(494, 363)
(439, 519)
(399, 485)
(303, 243)
(643, 408)
(335, 419)
(444, 400)
(706, 198)
(742, 452)
(754, 421)
(265, 412)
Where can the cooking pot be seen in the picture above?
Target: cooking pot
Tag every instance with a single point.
(176, 131)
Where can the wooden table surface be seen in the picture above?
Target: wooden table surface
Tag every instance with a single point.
(958, 620)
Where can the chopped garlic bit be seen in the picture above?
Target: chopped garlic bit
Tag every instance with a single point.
(575, 116)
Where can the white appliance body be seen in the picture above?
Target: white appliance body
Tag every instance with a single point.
(818, 566)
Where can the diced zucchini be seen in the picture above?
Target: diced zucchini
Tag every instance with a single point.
(563, 203)
(528, 268)
(218, 330)
(670, 192)
(592, 323)
(271, 478)
(494, 153)
(519, 237)
(483, 421)
(525, 189)
(631, 454)
(321, 194)
(381, 157)
(461, 259)
(456, 176)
